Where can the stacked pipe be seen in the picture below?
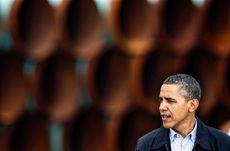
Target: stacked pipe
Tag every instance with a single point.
(13, 91)
(33, 31)
(74, 77)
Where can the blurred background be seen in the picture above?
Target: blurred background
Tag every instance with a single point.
(85, 74)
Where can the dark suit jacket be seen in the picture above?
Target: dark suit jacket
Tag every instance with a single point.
(207, 139)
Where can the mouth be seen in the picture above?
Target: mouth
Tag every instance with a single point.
(165, 117)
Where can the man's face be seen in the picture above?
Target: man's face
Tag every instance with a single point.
(174, 108)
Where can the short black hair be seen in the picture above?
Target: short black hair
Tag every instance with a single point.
(188, 84)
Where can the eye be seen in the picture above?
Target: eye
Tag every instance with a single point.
(160, 99)
(171, 100)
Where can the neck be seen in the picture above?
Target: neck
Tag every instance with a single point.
(185, 128)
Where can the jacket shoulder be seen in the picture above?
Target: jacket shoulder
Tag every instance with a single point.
(221, 138)
(145, 142)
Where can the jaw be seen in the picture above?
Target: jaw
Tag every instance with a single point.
(182, 127)
(168, 122)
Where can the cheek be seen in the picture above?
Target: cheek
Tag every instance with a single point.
(179, 111)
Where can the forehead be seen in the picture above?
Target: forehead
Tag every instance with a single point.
(170, 89)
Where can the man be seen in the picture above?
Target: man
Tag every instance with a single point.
(182, 130)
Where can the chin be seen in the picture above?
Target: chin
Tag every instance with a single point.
(167, 125)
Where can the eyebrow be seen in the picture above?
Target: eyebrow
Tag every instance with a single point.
(167, 98)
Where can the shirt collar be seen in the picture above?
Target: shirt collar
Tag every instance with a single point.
(192, 135)
(202, 137)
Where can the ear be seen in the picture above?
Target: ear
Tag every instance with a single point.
(193, 105)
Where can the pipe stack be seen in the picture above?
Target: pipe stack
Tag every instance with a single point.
(86, 74)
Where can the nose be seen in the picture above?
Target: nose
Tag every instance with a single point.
(163, 106)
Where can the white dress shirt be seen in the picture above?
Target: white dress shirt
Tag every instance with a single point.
(178, 143)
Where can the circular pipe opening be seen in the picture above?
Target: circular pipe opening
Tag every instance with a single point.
(133, 15)
(33, 30)
(30, 133)
(135, 125)
(132, 25)
(219, 115)
(58, 87)
(217, 19)
(81, 16)
(109, 76)
(216, 29)
(4, 138)
(155, 69)
(181, 23)
(82, 27)
(88, 132)
(179, 16)
(13, 91)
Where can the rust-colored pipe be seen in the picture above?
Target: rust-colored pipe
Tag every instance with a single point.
(226, 88)
(13, 90)
(80, 28)
(219, 115)
(1, 27)
(216, 31)
(134, 122)
(148, 73)
(32, 27)
(57, 87)
(225, 127)
(5, 133)
(87, 132)
(30, 133)
(180, 25)
(209, 71)
(108, 79)
(132, 24)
